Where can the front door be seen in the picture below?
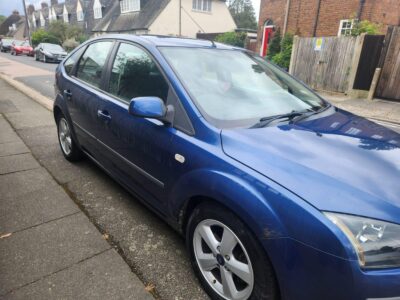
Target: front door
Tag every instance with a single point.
(139, 149)
(267, 35)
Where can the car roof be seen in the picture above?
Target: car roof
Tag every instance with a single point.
(169, 41)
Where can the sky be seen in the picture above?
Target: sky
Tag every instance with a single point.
(7, 6)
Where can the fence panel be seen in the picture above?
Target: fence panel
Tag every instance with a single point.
(324, 66)
(389, 82)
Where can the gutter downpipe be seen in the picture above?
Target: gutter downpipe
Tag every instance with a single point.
(360, 9)
(286, 17)
(317, 18)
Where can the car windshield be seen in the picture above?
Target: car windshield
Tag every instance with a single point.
(233, 88)
(7, 42)
(53, 47)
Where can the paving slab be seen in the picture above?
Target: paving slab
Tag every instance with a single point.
(13, 148)
(20, 183)
(19, 162)
(29, 255)
(104, 276)
(34, 208)
(7, 135)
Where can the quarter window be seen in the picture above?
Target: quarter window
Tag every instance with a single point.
(135, 74)
(71, 61)
(202, 5)
(91, 64)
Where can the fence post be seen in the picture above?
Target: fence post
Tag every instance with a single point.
(374, 84)
(355, 62)
(293, 57)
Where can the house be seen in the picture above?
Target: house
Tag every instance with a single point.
(310, 18)
(161, 17)
(14, 26)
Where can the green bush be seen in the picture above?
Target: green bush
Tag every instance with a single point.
(274, 46)
(237, 39)
(42, 36)
(282, 58)
(366, 27)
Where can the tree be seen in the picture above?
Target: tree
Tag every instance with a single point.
(243, 13)
(2, 18)
(42, 36)
(367, 27)
(237, 39)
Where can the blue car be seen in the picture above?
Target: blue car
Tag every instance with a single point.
(280, 195)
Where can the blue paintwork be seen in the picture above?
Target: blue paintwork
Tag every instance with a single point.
(276, 179)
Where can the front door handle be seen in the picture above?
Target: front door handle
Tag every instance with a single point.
(68, 94)
(104, 115)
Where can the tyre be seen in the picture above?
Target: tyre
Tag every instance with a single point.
(68, 146)
(36, 57)
(226, 256)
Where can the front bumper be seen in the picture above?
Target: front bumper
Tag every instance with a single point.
(304, 272)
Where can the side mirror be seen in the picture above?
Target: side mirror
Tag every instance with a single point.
(151, 107)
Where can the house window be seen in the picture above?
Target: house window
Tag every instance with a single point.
(202, 5)
(42, 21)
(345, 28)
(65, 16)
(79, 15)
(97, 9)
(129, 5)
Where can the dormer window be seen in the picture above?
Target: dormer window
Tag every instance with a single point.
(202, 5)
(65, 15)
(129, 5)
(42, 20)
(97, 9)
(79, 12)
(52, 15)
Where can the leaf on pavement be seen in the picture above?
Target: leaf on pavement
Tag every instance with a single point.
(5, 236)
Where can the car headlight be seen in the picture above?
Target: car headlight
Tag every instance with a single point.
(377, 243)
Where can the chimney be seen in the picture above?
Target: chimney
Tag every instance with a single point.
(15, 12)
(44, 5)
(53, 2)
(31, 9)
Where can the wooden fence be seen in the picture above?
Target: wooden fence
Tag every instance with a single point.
(389, 82)
(323, 63)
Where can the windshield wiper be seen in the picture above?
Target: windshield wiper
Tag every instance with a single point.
(267, 120)
(307, 115)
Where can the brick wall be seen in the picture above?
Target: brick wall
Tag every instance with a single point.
(302, 14)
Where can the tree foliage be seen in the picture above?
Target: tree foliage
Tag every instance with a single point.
(367, 27)
(59, 33)
(2, 19)
(237, 39)
(243, 13)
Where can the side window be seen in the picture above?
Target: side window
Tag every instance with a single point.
(71, 61)
(135, 74)
(91, 64)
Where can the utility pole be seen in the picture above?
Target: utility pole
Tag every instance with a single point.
(180, 17)
(27, 23)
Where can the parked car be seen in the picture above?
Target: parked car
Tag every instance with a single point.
(5, 45)
(50, 52)
(280, 195)
(21, 48)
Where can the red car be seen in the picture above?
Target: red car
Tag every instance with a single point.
(21, 47)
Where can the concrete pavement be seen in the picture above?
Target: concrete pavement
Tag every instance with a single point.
(48, 247)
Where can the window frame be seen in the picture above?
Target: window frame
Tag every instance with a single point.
(205, 6)
(97, 10)
(80, 16)
(127, 6)
(171, 92)
(352, 21)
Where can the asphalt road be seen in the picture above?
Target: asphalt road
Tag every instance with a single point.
(43, 83)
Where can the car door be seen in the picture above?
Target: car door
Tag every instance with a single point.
(83, 90)
(141, 149)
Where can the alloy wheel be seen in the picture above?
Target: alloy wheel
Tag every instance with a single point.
(223, 260)
(64, 134)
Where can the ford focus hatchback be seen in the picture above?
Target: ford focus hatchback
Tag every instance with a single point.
(280, 195)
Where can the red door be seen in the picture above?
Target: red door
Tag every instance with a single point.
(267, 34)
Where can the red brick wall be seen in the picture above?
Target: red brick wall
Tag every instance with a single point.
(302, 14)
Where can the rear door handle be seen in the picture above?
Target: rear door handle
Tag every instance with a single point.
(104, 115)
(68, 94)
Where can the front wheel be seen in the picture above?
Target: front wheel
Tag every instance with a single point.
(227, 258)
(68, 146)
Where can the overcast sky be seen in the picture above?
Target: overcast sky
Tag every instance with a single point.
(7, 6)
